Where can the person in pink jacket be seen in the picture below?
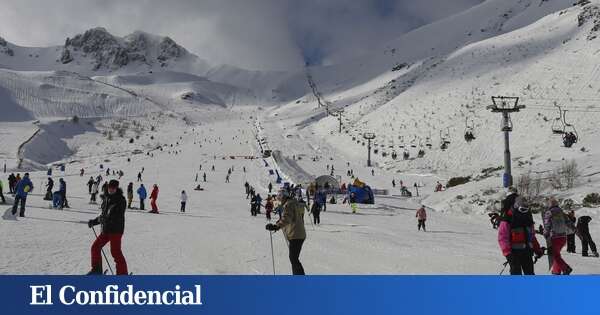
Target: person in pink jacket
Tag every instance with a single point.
(516, 237)
(421, 218)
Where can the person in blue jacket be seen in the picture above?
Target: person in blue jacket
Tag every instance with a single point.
(62, 190)
(142, 193)
(24, 186)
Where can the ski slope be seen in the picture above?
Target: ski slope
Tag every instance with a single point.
(217, 235)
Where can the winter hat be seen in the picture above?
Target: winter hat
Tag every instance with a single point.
(512, 190)
(113, 184)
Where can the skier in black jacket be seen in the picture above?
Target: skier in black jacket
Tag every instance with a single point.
(583, 231)
(112, 220)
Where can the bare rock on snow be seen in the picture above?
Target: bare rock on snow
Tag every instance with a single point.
(111, 52)
(4, 48)
(590, 13)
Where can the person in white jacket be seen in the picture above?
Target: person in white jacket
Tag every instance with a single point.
(183, 200)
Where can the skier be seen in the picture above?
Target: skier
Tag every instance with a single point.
(227, 178)
(153, 198)
(583, 231)
(516, 237)
(90, 183)
(112, 220)
(22, 188)
(269, 208)
(315, 210)
(571, 248)
(183, 200)
(139, 177)
(62, 190)
(372, 172)
(421, 218)
(1, 193)
(204, 177)
(393, 183)
(270, 187)
(81, 172)
(257, 204)
(142, 194)
(247, 187)
(129, 195)
(94, 192)
(12, 182)
(196, 177)
(556, 230)
(49, 187)
(292, 223)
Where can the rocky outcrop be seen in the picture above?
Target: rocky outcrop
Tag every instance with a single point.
(4, 49)
(111, 52)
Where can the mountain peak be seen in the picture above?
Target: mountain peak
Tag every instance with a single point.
(111, 52)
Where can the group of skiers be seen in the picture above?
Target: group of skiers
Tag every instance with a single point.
(517, 235)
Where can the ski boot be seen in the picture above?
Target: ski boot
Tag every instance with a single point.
(595, 254)
(96, 271)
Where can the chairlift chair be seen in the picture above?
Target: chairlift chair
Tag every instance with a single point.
(558, 125)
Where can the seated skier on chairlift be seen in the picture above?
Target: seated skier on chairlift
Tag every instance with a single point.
(569, 139)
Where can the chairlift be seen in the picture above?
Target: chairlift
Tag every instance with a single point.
(406, 155)
(570, 135)
(413, 142)
(558, 125)
(421, 153)
(469, 130)
(428, 141)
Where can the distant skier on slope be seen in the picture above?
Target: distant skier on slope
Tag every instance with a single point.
(129, 195)
(49, 187)
(89, 184)
(153, 199)
(142, 194)
(421, 216)
(1, 192)
(183, 199)
(95, 188)
(112, 220)
(292, 223)
(516, 237)
(139, 177)
(22, 188)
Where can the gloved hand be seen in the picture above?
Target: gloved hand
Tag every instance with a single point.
(92, 223)
(541, 253)
(272, 227)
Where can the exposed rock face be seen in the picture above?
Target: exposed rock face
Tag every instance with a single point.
(590, 13)
(110, 52)
(4, 49)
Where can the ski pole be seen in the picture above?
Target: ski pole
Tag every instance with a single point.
(504, 268)
(103, 254)
(272, 255)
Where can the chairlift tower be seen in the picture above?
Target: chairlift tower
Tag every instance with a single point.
(369, 136)
(339, 114)
(506, 105)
